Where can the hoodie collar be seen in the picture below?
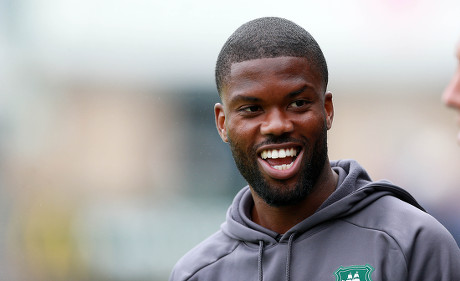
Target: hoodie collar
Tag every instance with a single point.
(354, 191)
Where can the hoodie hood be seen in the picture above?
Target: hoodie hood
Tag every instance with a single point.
(354, 191)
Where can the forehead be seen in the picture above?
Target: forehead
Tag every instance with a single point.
(260, 72)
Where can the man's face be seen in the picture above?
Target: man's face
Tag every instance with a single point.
(451, 94)
(275, 117)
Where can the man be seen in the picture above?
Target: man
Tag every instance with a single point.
(451, 94)
(303, 217)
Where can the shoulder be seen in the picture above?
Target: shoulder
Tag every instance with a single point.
(204, 254)
(428, 249)
(398, 218)
(415, 231)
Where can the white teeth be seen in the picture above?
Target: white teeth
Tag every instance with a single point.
(264, 154)
(282, 153)
(288, 152)
(278, 153)
(283, 167)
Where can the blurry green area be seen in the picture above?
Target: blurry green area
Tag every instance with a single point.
(110, 164)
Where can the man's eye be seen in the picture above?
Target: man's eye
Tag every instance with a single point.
(253, 108)
(298, 103)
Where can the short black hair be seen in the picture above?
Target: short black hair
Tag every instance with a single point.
(268, 37)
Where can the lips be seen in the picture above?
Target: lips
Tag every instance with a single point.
(280, 159)
(280, 162)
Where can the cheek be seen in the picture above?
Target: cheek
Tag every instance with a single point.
(239, 138)
(242, 131)
(312, 124)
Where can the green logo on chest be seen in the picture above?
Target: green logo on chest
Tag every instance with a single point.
(354, 273)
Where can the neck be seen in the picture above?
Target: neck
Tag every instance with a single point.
(281, 219)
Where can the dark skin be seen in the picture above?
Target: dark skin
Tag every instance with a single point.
(273, 97)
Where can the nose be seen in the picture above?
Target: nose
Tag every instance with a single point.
(451, 95)
(276, 123)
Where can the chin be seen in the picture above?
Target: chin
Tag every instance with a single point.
(283, 194)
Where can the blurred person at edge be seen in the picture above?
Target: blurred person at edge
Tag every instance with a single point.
(303, 217)
(451, 95)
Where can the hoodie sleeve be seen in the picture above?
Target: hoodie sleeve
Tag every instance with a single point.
(434, 254)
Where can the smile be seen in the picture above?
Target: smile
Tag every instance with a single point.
(279, 159)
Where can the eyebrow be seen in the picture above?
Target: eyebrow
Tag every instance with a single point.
(244, 98)
(297, 92)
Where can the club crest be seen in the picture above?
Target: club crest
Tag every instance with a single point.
(354, 273)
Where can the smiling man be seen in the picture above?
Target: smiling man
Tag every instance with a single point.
(303, 217)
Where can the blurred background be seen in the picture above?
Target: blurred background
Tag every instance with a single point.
(110, 164)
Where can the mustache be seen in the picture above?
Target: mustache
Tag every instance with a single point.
(279, 140)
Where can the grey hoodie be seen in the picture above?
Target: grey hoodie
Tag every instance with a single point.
(364, 231)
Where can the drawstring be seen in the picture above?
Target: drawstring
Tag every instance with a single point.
(288, 257)
(261, 249)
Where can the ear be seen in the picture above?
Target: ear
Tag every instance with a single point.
(219, 114)
(329, 109)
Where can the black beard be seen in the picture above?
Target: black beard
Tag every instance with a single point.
(283, 195)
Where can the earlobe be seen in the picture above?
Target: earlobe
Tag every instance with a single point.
(329, 109)
(219, 115)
